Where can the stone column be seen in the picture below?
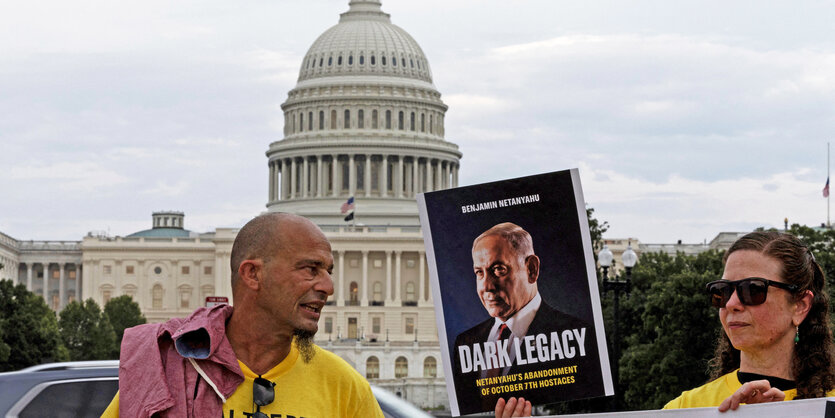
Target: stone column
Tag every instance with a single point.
(272, 181)
(305, 177)
(422, 277)
(401, 183)
(415, 176)
(45, 288)
(320, 184)
(282, 176)
(78, 282)
(335, 180)
(439, 173)
(383, 185)
(397, 277)
(279, 180)
(29, 276)
(455, 176)
(61, 286)
(352, 176)
(429, 183)
(364, 288)
(293, 178)
(367, 181)
(389, 282)
(341, 284)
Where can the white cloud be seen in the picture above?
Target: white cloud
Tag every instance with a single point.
(82, 176)
(697, 209)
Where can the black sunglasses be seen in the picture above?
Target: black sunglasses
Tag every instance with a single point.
(263, 394)
(750, 291)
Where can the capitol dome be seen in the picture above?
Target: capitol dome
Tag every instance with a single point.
(365, 121)
(365, 42)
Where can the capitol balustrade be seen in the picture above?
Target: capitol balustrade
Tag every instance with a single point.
(350, 230)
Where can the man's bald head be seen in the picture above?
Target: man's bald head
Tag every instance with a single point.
(262, 237)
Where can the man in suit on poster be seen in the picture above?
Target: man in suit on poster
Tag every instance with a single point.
(507, 273)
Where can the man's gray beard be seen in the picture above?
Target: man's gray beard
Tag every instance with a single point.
(304, 342)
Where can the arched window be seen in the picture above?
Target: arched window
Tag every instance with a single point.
(400, 120)
(423, 122)
(418, 64)
(156, 296)
(374, 119)
(412, 121)
(372, 368)
(394, 62)
(347, 121)
(410, 292)
(321, 120)
(362, 59)
(330, 61)
(301, 121)
(431, 122)
(309, 121)
(412, 62)
(106, 293)
(403, 61)
(384, 59)
(185, 297)
(388, 119)
(430, 367)
(354, 288)
(321, 60)
(378, 292)
(350, 60)
(372, 60)
(129, 290)
(333, 119)
(401, 367)
(339, 60)
(360, 119)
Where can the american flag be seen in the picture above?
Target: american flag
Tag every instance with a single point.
(349, 205)
(826, 188)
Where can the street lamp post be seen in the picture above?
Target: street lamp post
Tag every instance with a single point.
(619, 284)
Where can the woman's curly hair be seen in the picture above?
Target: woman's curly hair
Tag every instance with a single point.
(812, 361)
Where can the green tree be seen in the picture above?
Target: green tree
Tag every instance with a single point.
(87, 332)
(596, 230)
(123, 313)
(28, 329)
(669, 328)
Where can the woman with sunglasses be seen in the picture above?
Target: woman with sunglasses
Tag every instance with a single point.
(774, 309)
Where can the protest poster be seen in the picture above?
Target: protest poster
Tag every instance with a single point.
(531, 269)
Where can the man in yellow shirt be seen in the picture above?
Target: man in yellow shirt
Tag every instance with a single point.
(256, 359)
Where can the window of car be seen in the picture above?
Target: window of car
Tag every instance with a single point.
(67, 398)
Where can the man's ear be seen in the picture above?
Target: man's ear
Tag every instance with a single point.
(532, 265)
(250, 273)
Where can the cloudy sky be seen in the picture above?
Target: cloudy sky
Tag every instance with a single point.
(686, 118)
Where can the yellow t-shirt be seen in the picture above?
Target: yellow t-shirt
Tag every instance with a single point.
(713, 393)
(325, 387)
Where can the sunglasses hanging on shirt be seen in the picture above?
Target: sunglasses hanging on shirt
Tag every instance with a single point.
(263, 394)
(751, 291)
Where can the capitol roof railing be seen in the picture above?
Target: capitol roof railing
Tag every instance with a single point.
(9, 241)
(370, 229)
(50, 245)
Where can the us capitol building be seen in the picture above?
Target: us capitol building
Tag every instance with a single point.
(364, 120)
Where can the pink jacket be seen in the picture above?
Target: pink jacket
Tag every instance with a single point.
(158, 368)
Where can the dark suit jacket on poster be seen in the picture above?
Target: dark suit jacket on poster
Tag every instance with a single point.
(588, 380)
